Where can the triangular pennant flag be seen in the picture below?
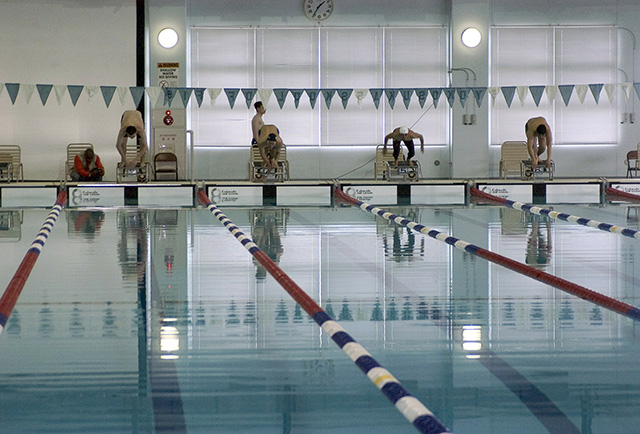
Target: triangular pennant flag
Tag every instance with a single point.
(328, 96)
(493, 91)
(91, 91)
(199, 93)
(508, 92)
(154, 94)
(137, 92)
(107, 93)
(435, 96)
(12, 90)
(391, 96)
(360, 95)
(74, 92)
(60, 90)
(265, 96)
(478, 93)
(610, 89)
(422, 95)
(344, 95)
(406, 96)
(522, 92)
(213, 94)
(581, 91)
(376, 94)
(463, 94)
(536, 93)
(450, 93)
(185, 94)
(565, 91)
(281, 96)
(44, 90)
(122, 92)
(313, 96)
(551, 92)
(596, 88)
(249, 93)
(232, 94)
(169, 94)
(626, 87)
(297, 93)
(28, 89)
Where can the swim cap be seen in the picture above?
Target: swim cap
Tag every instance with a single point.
(404, 130)
(271, 137)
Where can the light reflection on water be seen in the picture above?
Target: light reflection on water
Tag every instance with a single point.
(135, 320)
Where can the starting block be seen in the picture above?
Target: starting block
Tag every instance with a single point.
(404, 171)
(527, 172)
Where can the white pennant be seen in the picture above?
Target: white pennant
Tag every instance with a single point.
(213, 94)
(360, 95)
(551, 92)
(28, 91)
(581, 91)
(265, 96)
(522, 91)
(122, 92)
(91, 91)
(610, 88)
(60, 90)
(626, 87)
(493, 91)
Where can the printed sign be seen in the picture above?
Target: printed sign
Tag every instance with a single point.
(168, 74)
(81, 196)
(234, 195)
(374, 194)
(516, 193)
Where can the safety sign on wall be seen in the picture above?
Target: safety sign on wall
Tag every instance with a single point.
(168, 74)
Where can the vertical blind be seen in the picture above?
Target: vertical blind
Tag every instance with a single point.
(313, 58)
(552, 56)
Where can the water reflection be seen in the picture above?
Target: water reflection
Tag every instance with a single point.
(11, 225)
(539, 242)
(86, 223)
(266, 225)
(401, 244)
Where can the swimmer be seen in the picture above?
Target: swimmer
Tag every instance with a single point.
(270, 143)
(538, 140)
(403, 134)
(257, 122)
(131, 126)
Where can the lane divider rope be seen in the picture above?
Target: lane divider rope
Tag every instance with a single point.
(410, 407)
(631, 233)
(14, 289)
(557, 282)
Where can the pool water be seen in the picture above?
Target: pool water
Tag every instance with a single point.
(159, 320)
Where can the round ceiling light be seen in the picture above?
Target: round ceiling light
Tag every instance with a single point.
(471, 37)
(168, 38)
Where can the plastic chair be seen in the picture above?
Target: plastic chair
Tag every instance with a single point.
(74, 149)
(165, 163)
(632, 163)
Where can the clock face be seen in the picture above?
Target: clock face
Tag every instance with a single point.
(318, 10)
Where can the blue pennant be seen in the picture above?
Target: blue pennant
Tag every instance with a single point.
(13, 89)
(422, 95)
(596, 88)
(478, 93)
(232, 94)
(74, 92)
(328, 96)
(249, 93)
(185, 94)
(406, 96)
(199, 93)
(508, 92)
(536, 93)
(44, 90)
(297, 93)
(463, 94)
(137, 92)
(344, 95)
(391, 96)
(566, 90)
(313, 96)
(435, 96)
(169, 94)
(450, 93)
(376, 94)
(107, 93)
(281, 96)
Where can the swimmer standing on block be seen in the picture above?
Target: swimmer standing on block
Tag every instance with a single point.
(131, 126)
(538, 140)
(403, 134)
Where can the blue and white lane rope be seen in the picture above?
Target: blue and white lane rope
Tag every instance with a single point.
(631, 233)
(539, 275)
(410, 407)
(14, 289)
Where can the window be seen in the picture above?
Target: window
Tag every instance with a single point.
(553, 56)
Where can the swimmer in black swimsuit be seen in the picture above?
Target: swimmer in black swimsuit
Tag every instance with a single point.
(403, 134)
(538, 135)
(270, 142)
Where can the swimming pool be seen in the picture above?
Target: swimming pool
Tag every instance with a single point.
(158, 320)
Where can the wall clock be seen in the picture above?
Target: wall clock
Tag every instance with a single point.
(318, 10)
